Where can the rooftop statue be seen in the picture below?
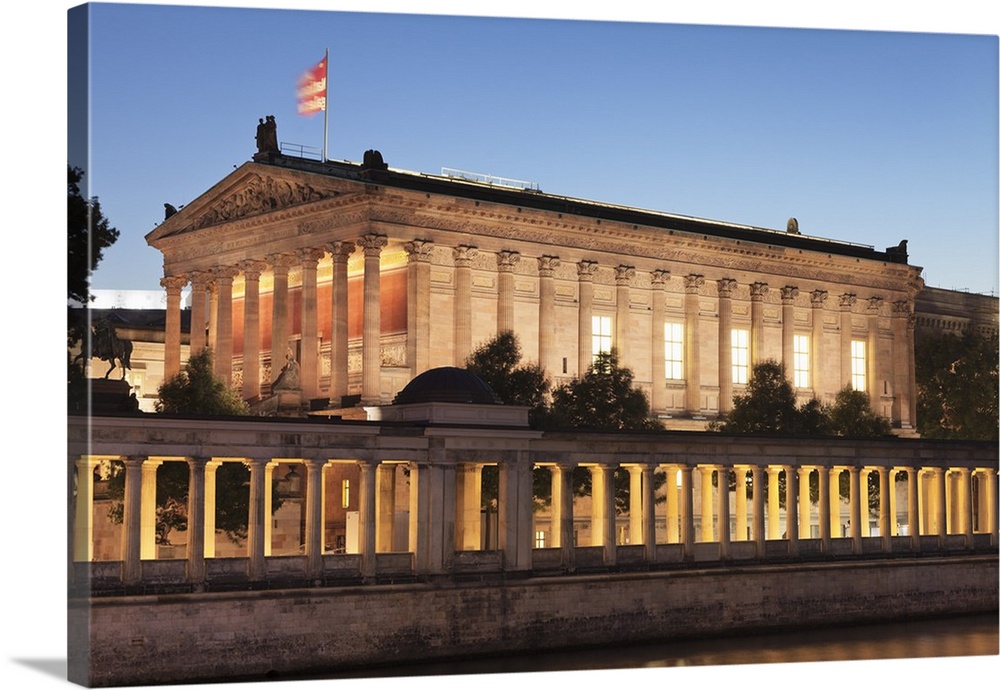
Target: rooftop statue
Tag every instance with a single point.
(109, 347)
(793, 226)
(267, 135)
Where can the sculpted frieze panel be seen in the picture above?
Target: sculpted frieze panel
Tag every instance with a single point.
(259, 195)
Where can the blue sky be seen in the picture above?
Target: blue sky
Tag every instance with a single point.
(864, 136)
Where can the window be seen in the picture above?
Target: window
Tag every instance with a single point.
(539, 539)
(800, 358)
(345, 489)
(858, 365)
(741, 356)
(673, 340)
(602, 334)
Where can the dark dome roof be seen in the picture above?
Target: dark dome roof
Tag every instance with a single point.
(447, 384)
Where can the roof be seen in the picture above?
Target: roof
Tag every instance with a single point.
(449, 385)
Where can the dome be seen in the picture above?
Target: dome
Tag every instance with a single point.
(447, 385)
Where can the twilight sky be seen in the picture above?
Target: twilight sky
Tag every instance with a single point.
(864, 136)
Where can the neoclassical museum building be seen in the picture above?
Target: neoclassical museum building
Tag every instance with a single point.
(367, 276)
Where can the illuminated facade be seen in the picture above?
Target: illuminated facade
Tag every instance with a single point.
(370, 276)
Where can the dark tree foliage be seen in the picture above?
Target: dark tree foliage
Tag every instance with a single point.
(498, 363)
(957, 388)
(89, 234)
(851, 415)
(198, 391)
(604, 399)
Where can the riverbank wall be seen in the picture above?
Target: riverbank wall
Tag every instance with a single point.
(176, 638)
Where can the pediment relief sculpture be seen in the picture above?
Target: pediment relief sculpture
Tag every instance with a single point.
(259, 195)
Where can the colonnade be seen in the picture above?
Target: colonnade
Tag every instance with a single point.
(212, 303)
(942, 503)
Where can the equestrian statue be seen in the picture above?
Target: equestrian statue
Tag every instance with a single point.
(109, 347)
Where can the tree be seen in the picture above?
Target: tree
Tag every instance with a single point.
(198, 391)
(89, 234)
(769, 406)
(957, 389)
(498, 363)
(852, 415)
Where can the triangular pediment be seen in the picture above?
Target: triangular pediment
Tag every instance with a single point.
(251, 190)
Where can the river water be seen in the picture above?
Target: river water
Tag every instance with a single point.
(964, 649)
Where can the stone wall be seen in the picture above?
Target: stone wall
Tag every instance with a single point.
(180, 638)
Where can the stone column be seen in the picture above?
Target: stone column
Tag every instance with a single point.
(251, 327)
(913, 508)
(280, 327)
(515, 509)
(468, 506)
(788, 295)
(196, 519)
(340, 253)
(212, 289)
(131, 521)
(911, 368)
(623, 279)
(309, 364)
(371, 344)
(725, 289)
(603, 501)
(210, 495)
(804, 503)
(692, 343)
(464, 255)
(687, 512)
(547, 312)
(885, 521)
(722, 497)
(774, 502)
(673, 505)
(418, 313)
(758, 509)
(990, 497)
(648, 513)
(741, 503)
(366, 515)
(835, 526)
(816, 354)
(385, 504)
(873, 373)
(147, 511)
(585, 328)
(658, 295)
(707, 532)
(172, 327)
(199, 315)
(791, 499)
(940, 504)
(257, 566)
(900, 362)
(823, 509)
(562, 512)
(856, 501)
(506, 260)
(224, 334)
(83, 522)
(635, 514)
(757, 293)
(314, 517)
(847, 301)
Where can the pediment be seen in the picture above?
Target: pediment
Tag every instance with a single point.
(251, 190)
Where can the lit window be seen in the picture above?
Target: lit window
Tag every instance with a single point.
(345, 492)
(673, 340)
(741, 356)
(602, 334)
(539, 539)
(801, 361)
(858, 367)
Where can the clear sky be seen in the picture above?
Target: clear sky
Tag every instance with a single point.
(864, 136)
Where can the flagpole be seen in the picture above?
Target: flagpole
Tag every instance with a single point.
(326, 104)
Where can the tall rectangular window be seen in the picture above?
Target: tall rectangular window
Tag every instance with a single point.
(858, 366)
(801, 361)
(602, 334)
(673, 341)
(741, 356)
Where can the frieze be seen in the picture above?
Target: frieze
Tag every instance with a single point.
(259, 195)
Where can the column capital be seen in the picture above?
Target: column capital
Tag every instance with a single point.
(757, 291)
(506, 260)
(693, 283)
(585, 270)
(624, 274)
(340, 252)
(225, 273)
(173, 283)
(199, 279)
(874, 305)
(372, 243)
(789, 293)
(847, 300)
(817, 298)
(419, 251)
(659, 277)
(726, 286)
(281, 262)
(309, 256)
(547, 265)
(464, 254)
(902, 308)
(252, 268)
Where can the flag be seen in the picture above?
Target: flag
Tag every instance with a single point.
(312, 89)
